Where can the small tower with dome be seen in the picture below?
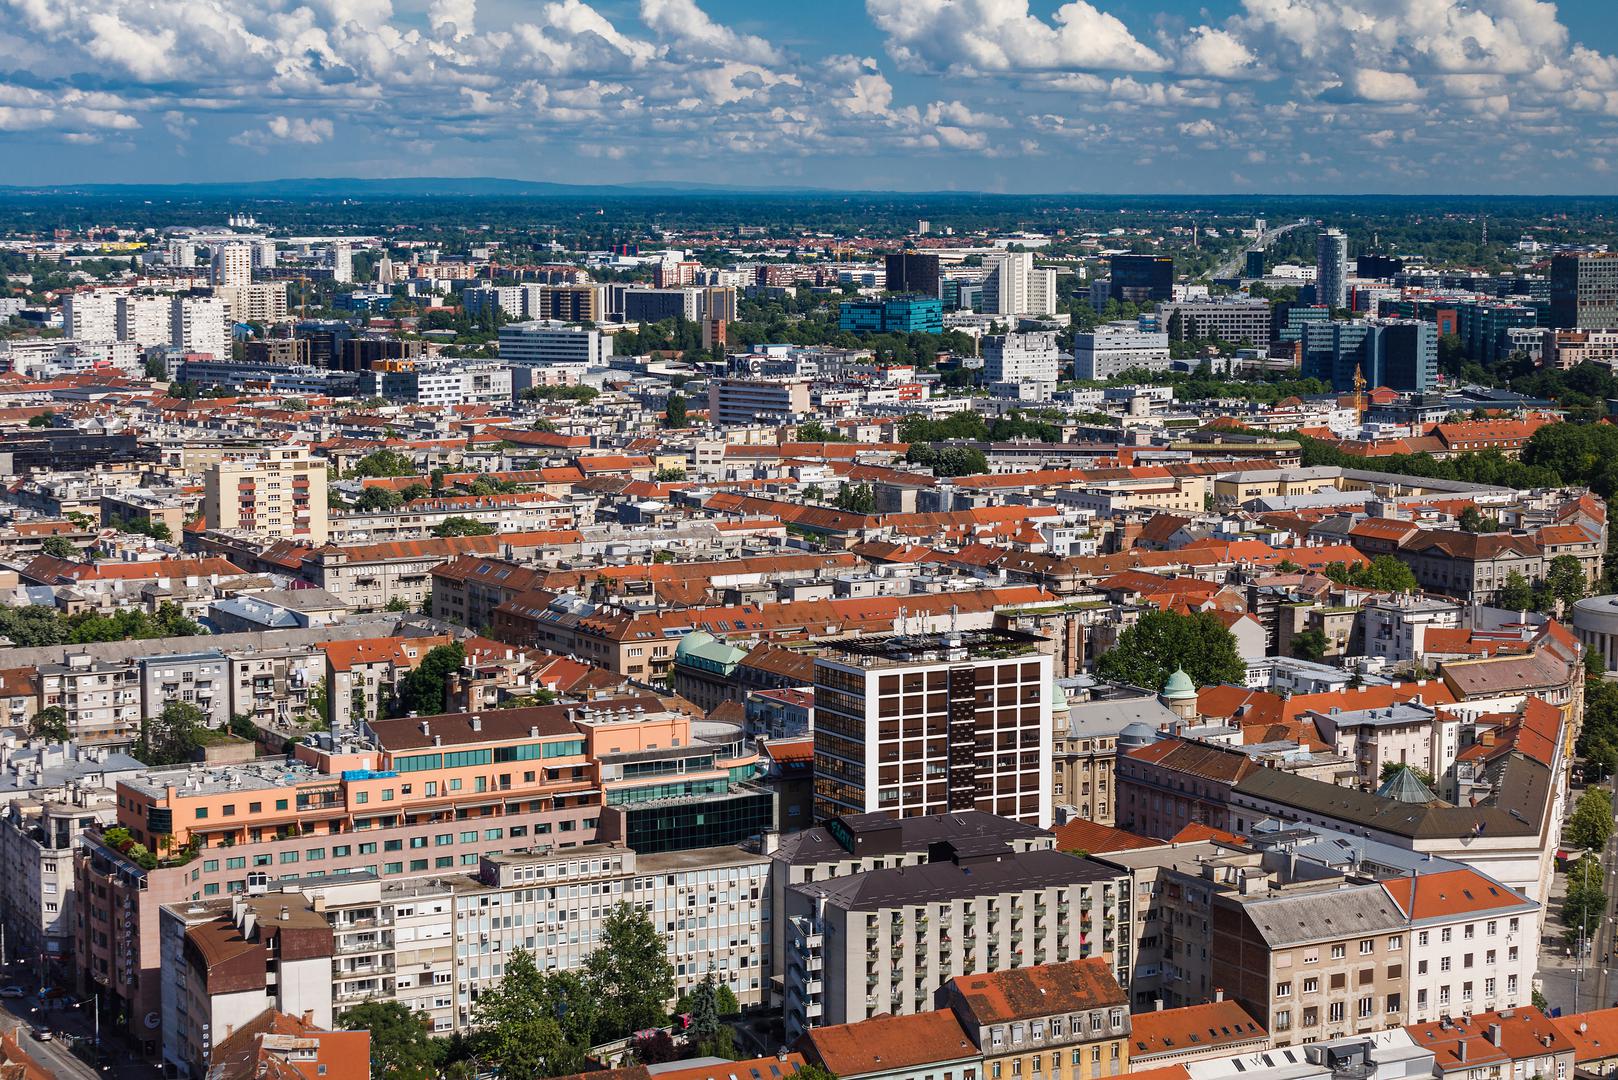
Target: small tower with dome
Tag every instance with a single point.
(1179, 696)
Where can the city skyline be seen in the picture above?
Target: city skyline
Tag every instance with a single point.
(1283, 96)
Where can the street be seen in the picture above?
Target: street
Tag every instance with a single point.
(1232, 266)
(67, 1024)
(1571, 983)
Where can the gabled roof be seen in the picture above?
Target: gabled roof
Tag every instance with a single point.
(1452, 894)
(1024, 993)
(1194, 1027)
(887, 1043)
(1093, 838)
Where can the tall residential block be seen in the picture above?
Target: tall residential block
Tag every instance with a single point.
(232, 265)
(910, 724)
(1013, 286)
(280, 492)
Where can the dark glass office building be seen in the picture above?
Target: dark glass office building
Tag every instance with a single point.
(1142, 279)
(912, 272)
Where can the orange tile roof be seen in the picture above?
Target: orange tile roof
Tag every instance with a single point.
(1451, 893)
(1093, 838)
(1197, 831)
(1594, 1034)
(996, 997)
(1194, 1027)
(886, 1043)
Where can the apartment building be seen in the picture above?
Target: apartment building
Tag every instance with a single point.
(1085, 739)
(1409, 733)
(280, 492)
(885, 940)
(434, 943)
(917, 1046)
(1321, 964)
(1511, 1044)
(367, 577)
(276, 687)
(1073, 1016)
(1170, 783)
(200, 678)
(403, 798)
(54, 791)
(1473, 943)
(911, 725)
(102, 697)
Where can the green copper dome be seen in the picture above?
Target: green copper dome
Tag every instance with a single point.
(1179, 685)
(1058, 697)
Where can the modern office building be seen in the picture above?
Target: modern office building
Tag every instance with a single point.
(916, 724)
(1235, 321)
(1113, 348)
(1401, 354)
(1253, 266)
(1584, 291)
(1331, 269)
(279, 492)
(1141, 279)
(1028, 357)
(912, 272)
(744, 402)
(548, 343)
(1013, 286)
(895, 315)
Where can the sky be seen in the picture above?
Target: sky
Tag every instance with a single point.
(1145, 96)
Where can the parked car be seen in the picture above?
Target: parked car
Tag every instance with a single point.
(13, 992)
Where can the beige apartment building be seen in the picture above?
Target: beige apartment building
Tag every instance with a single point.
(279, 492)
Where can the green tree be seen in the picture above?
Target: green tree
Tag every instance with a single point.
(59, 547)
(1590, 824)
(1472, 520)
(411, 492)
(457, 525)
(856, 498)
(425, 689)
(1147, 653)
(674, 415)
(1586, 902)
(949, 460)
(384, 463)
(172, 736)
(535, 1023)
(50, 723)
(631, 973)
(1565, 581)
(242, 726)
(317, 710)
(814, 1072)
(1516, 594)
(375, 499)
(44, 419)
(815, 431)
(1309, 645)
(668, 475)
(401, 1042)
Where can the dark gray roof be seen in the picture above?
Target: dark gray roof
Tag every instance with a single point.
(938, 882)
(1325, 915)
(1516, 811)
(914, 834)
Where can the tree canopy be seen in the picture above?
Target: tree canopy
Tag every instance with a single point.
(425, 691)
(630, 972)
(384, 463)
(1147, 653)
(401, 1045)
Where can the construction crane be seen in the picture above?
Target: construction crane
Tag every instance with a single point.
(1359, 392)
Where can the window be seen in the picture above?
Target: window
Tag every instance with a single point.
(1471, 928)
(1366, 1007)
(1395, 943)
(1421, 939)
(1339, 951)
(202, 812)
(1283, 989)
(1444, 934)
(1283, 1019)
(1311, 985)
(1443, 963)
(393, 868)
(1334, 1012)
(280, 804)
(1367, 947)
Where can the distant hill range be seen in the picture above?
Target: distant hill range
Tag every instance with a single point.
(404, 187)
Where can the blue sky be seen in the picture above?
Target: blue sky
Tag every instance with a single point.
(1509, 96)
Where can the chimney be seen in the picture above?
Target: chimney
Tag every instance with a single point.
(1494, 1034)
(286, 914)
(1219, 993)
(477, 723)
(426, 729)
(533, 731)
(438, 740)
(1460, 1049)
